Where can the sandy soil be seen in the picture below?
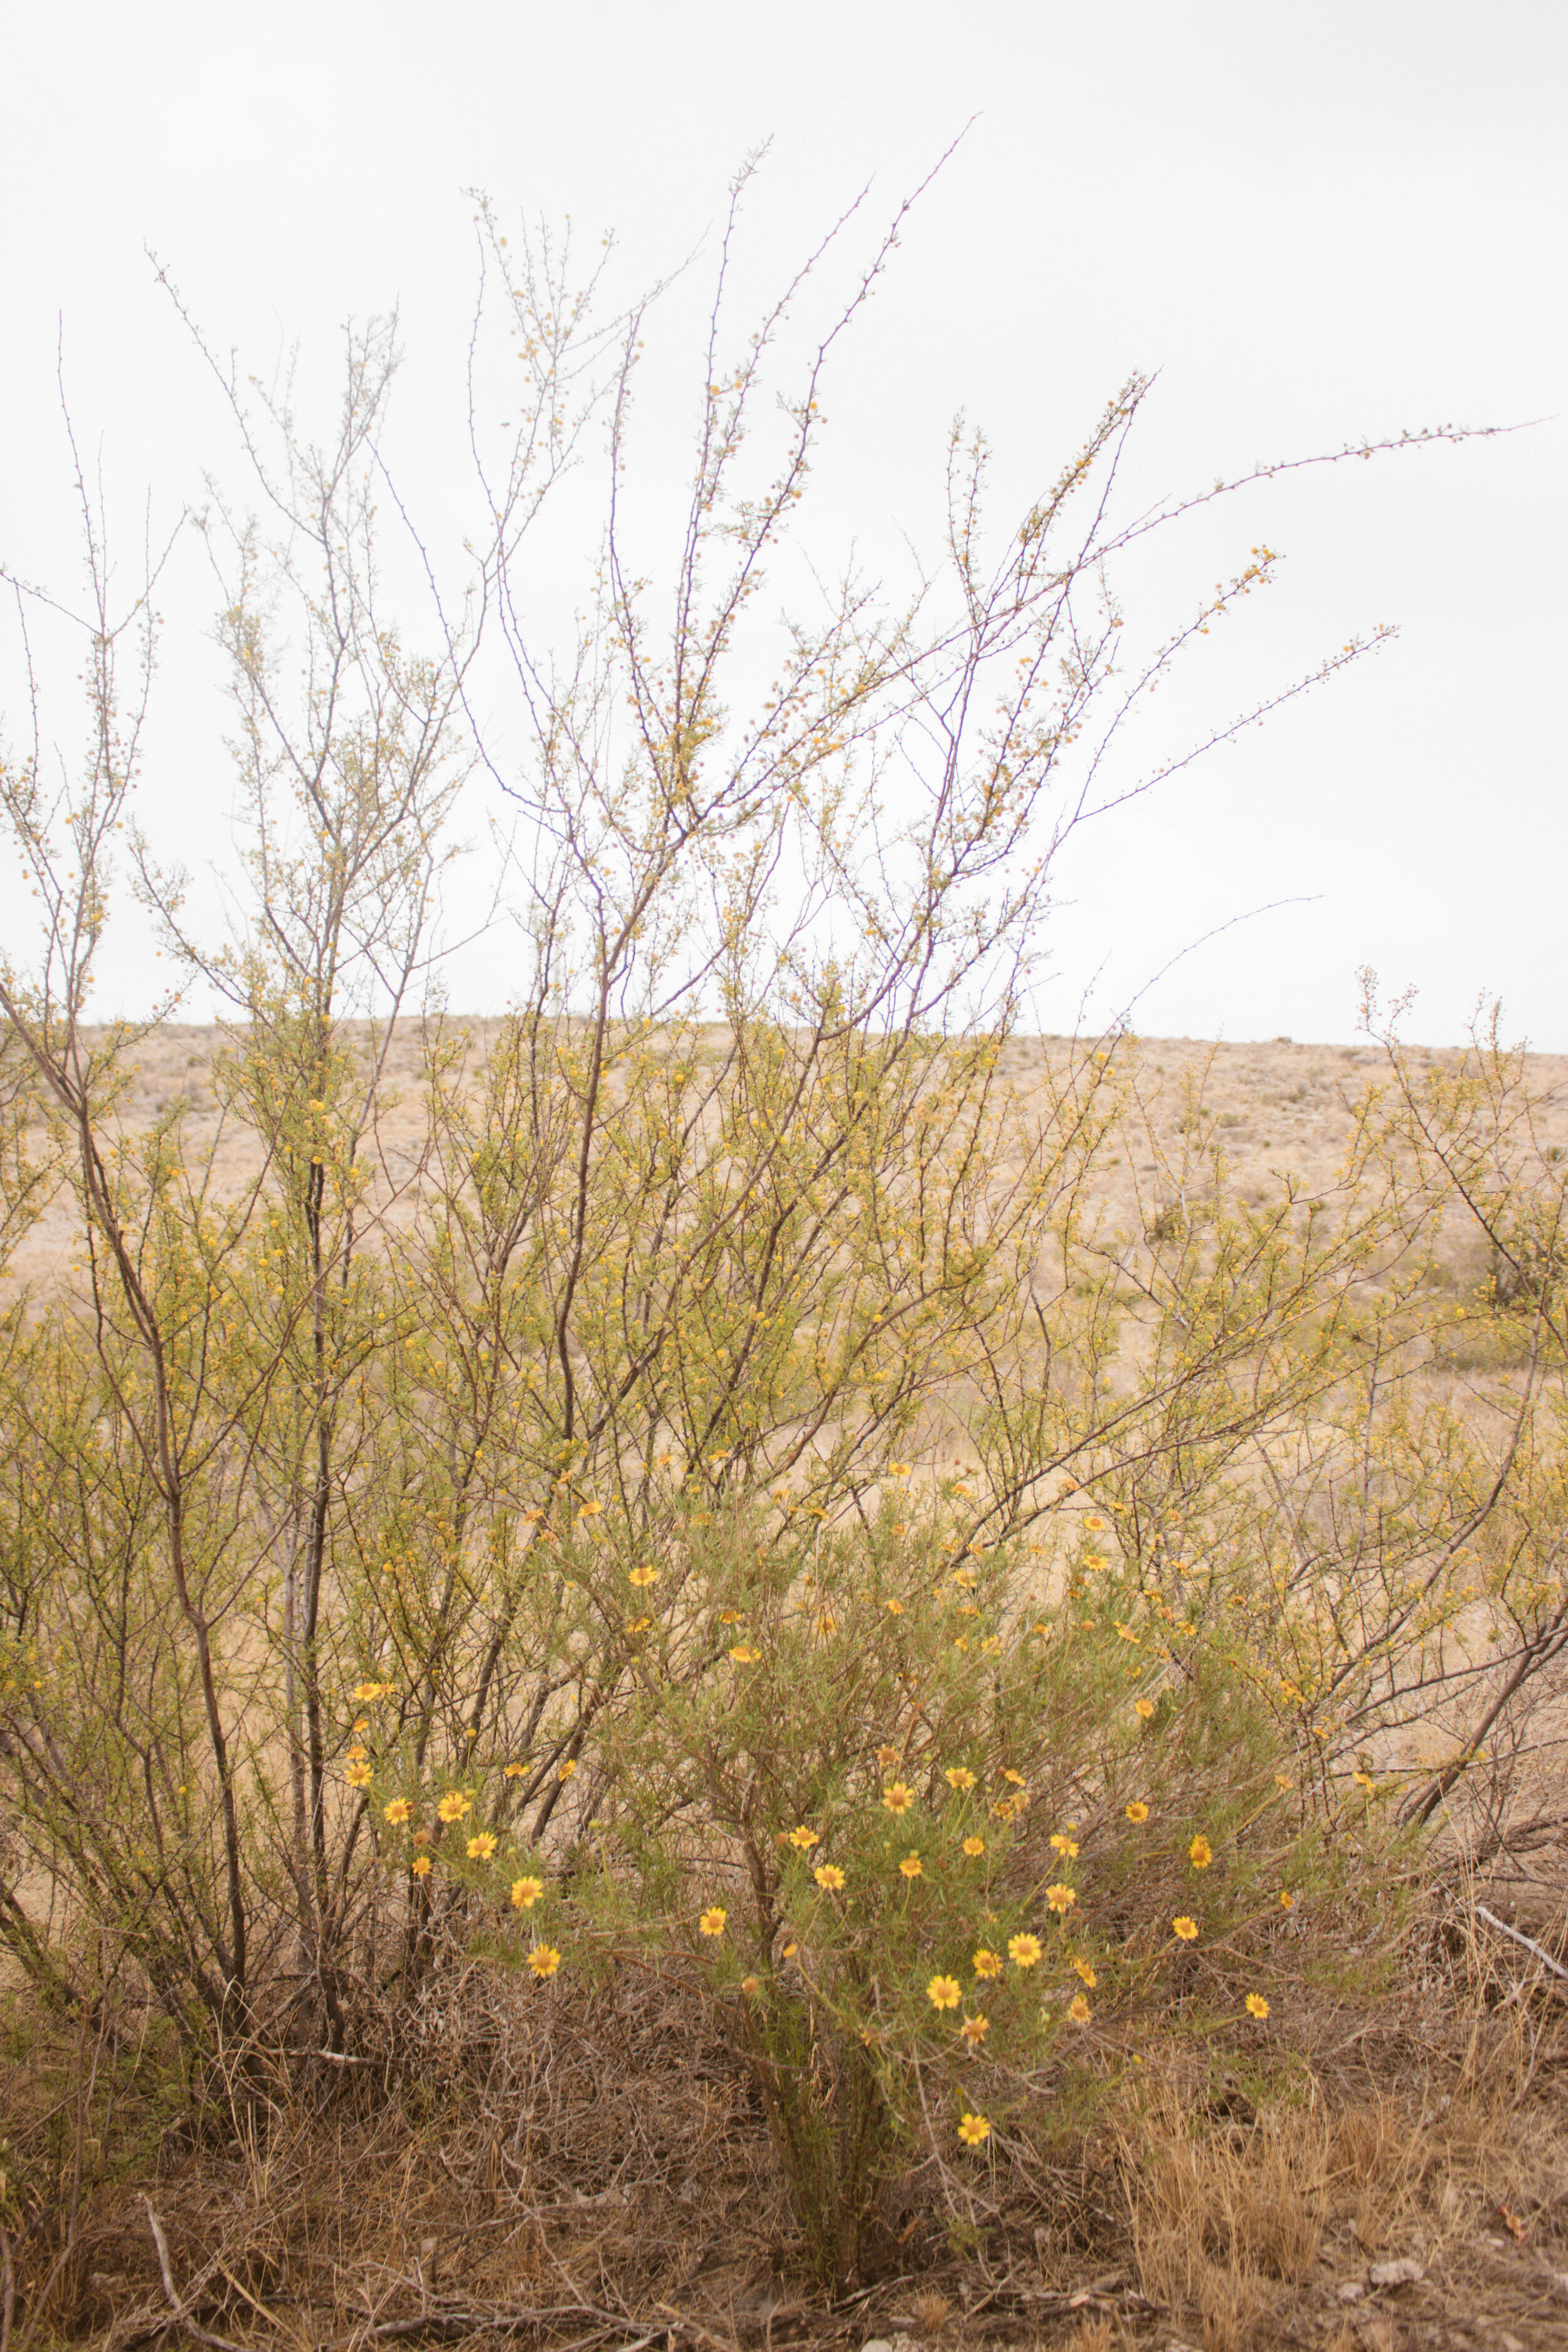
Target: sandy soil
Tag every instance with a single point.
(1283, 1110)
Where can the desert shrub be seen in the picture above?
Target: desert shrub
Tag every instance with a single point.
(533, 1532)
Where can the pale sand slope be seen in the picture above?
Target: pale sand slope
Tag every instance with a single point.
(1284, 1111)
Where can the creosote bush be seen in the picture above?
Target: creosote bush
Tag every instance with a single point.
(535, 1539)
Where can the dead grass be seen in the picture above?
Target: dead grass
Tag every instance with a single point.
(587, 2165)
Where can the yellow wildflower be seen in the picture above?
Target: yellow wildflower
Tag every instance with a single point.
(958, 1775)
(945, 1992)
(525, 1893)
(828, 1874)
(1257, 2006)
(544, 1960)
(482, 1846)
(1024, 1951)
(1137, 1811)
(1060, 1899)
(643, 1577)
(454, 1805)
(420, 1865)
(358, 1776)
(1200, 1854)
(712, 1921)
(1084, 1970)
(744, 1656)
(911, 1866)
(987, 1963)
(975, 2029)
(898, 1797)
(803, 1839)
(1144, 1706)
(885, 1756)
(1184, 1928)
(397, 1812)
(1078, 2009)
(973, 1846)
(1066, 1846)
(973, 2130)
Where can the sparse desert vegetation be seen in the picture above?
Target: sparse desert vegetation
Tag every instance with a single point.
(747, 1654)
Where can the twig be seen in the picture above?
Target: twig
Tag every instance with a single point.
(9, 2294)
(1528, 1942)
(198, 2334)
(453, 2324)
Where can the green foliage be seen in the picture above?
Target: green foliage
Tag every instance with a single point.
(715, 1489)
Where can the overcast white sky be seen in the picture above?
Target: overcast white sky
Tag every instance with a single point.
(1316, 221)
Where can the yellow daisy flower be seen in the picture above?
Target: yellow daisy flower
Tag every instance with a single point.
(987, 1963)
(482, 1846)
(1078, 2009)
(974, 2031)
(1066, 1846)
(974, 1847)
(1256, 2005)
(420, 1865)
(1060, 1899)
(712, 1920)
(397, 1812)
(525, 1893)
(973, 2130)
(1144, 1706)
(643, 1577)
(1184, 1928)
(945, 1992)
(454, 1805)
(828, 1874)
(358, 1776)
(911, 1866)
(898, 1797)
(958, 1775)
(1024, 1951)
(803, 1839)
(1137, 1811)
(544, 1960)
(1200, 1854)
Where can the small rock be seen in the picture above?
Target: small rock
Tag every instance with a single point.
(1406, 2271)
(877, 2344)
(1349, 2290)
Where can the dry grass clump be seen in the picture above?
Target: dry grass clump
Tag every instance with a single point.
(587, 2163)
